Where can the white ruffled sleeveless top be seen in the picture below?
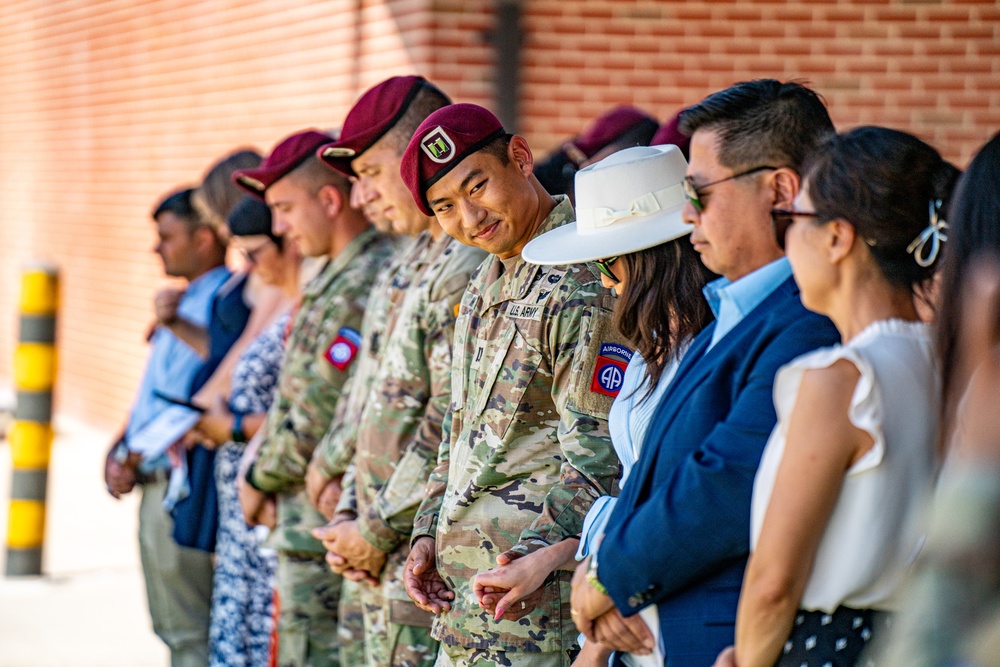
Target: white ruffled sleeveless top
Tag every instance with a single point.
(876, 527)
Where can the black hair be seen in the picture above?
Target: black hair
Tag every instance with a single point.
(973, 232)
(888, 184)
(499, 148)
(662, 305)
(179, 203)
(252, 217)
(761, 122)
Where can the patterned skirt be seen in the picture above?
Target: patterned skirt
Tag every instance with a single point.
(819, 639)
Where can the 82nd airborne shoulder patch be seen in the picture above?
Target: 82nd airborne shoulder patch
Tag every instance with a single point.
(344, 348)
(609, 369)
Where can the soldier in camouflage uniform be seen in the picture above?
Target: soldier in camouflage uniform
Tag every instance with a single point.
(399, 429)
(525, 446)
(310, 208)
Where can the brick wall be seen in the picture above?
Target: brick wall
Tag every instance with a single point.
(107, 105)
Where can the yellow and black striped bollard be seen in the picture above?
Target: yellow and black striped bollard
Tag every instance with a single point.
(31, 432)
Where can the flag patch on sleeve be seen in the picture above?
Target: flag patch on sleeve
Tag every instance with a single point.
(344, 348)
(609, 369)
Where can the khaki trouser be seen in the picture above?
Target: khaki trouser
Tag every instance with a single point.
(178, 582)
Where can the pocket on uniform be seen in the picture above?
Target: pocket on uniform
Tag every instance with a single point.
(506, 381)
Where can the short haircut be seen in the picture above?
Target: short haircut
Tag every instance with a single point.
(762, 122)
(499, 148)
(179, 203)
(313, 174)
(428, 100)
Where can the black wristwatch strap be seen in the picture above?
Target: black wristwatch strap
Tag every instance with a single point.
(237, 434)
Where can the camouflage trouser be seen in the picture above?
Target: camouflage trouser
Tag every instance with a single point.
(459, 656)
(351, 625)
(397, 633)
(307, 622)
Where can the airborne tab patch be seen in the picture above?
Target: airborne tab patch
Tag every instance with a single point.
(609, 369)
(344, 348)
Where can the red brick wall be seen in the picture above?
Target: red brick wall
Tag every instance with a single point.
(108, 105)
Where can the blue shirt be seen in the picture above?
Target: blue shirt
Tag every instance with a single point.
(732, 301)
(172, 364)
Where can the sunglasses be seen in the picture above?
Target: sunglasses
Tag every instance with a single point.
(691, 190)
(604, 266)
(782, 219)
(252, 255)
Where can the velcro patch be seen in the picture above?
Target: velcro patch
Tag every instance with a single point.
(609, 369)
(344, 348)
(524, 311)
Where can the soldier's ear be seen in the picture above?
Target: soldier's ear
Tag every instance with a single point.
(520, 154)
(331, 199)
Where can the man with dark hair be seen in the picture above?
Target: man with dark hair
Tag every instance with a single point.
(178, 579)
(397, 430)
(309, 205)
(525, 447)
(679, 536)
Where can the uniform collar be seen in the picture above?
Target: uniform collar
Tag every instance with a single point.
(336, 265)
(511, 280)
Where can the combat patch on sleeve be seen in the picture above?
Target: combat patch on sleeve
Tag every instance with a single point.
(609, 369)
(344, 348)
(599, 366)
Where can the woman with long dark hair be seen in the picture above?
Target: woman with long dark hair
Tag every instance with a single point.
(629, 224)
(838, 496)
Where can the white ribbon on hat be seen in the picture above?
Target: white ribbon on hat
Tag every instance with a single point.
(594, 219)
(934, 232)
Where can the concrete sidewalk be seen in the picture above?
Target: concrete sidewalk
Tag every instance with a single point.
(89, 608)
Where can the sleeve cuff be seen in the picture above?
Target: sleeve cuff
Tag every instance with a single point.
(374, 529)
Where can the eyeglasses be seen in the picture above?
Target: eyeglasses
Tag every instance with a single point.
(252, 255)
(782, 219)
(691, 190)
(604, 266)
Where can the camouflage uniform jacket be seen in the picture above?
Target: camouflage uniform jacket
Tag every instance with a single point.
(400, 428)
(336, 450)
(525, 448)
(318, 353)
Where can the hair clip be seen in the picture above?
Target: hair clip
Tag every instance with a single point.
(934, 232)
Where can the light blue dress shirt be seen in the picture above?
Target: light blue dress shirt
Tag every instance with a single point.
(732, 301)
(172, 364)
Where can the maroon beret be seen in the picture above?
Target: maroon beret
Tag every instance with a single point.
(608, 127)
(443, 140)
(670, 133)
(287, 155)
(374, 114)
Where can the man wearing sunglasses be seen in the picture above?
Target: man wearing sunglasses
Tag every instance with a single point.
(679, 536)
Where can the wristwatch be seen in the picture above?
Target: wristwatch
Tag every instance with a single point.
(592, 576)
(237, 434)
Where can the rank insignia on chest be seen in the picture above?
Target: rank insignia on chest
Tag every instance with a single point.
(609, 369)
(344, 348)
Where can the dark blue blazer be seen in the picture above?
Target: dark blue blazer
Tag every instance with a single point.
(679, 535)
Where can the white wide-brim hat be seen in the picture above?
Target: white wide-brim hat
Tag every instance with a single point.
(629, 201)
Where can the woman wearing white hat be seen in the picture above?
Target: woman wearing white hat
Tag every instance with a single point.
(629, 224)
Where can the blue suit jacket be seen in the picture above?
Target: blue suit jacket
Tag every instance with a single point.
(679, 535)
